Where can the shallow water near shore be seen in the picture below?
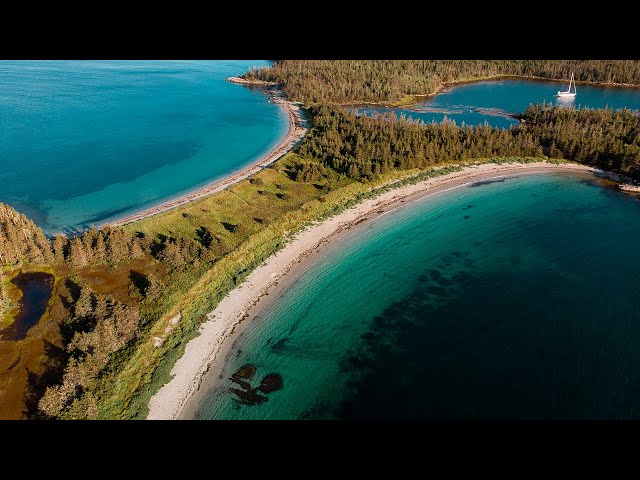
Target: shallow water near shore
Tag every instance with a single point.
(512, 298)
(83, 142)
(491, 101)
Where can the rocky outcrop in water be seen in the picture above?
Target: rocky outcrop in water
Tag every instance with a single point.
(248, 395)
(271, 383)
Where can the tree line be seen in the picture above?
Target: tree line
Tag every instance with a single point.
(599, 137)
(22, 241)
(380, 81)
(361, 146)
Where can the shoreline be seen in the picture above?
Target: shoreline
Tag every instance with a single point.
(296, 130)
(454, 83)
(201, 366)
(244, 81)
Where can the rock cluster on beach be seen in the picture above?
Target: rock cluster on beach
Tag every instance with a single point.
(248, 395)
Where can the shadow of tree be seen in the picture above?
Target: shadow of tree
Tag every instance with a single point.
(157, 245)
(53, 368)
(140, 280)
(204, 236)
(230, 227)
(74, 289)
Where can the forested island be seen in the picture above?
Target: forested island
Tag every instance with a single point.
(126, 300)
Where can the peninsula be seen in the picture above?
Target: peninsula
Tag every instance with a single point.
(143, 311)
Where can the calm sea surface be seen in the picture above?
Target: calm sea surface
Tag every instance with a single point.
(82, 142)
(506, 299)
(490, 101)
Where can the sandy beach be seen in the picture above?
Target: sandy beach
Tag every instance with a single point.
(200, 368)
(255, 82)
(296, 130)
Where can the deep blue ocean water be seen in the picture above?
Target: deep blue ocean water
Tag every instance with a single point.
(495, 98)
(506, 299)
(83, 142)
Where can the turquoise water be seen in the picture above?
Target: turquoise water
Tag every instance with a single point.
(83, 142)
(506, 299)
(461, 103)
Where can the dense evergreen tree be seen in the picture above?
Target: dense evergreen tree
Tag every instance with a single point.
(84, 305)
(599, 137)
(360, 146)
(77, 253)
(21, 240)
(111, 326)
(60, 248)
(390, 80)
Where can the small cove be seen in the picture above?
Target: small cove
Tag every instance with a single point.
(87, 142)
(492, 101)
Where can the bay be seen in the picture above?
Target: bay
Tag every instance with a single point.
(513, 298)
(492, 101)
(83, 142)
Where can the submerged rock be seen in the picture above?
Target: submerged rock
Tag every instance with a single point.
(271, 383)
(242, 383)
(246, 371)
(249, 397)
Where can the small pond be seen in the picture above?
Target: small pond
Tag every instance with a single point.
(36, 290)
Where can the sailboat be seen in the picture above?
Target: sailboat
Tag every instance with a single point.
(569, 93)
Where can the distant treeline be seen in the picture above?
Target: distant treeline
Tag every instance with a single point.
(360, 146)
(388, 81)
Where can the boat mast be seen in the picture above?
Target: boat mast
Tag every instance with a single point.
(574, 82)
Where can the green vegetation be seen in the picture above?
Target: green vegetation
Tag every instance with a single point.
(391, 81)
(127, 300)
(359, 146)
(21, 239)
(9, 297)
(602, 137)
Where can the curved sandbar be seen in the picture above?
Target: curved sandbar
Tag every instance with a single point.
(296, 130)
(198, 370)
(244, 81)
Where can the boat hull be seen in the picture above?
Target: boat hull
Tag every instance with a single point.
(629, 188)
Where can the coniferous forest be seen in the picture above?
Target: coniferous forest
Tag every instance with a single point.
(360, 146)
(114, 284)
(391, 81)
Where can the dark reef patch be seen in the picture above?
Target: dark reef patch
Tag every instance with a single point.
(248, 395)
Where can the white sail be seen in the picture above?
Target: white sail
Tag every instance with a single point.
(569, 93)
